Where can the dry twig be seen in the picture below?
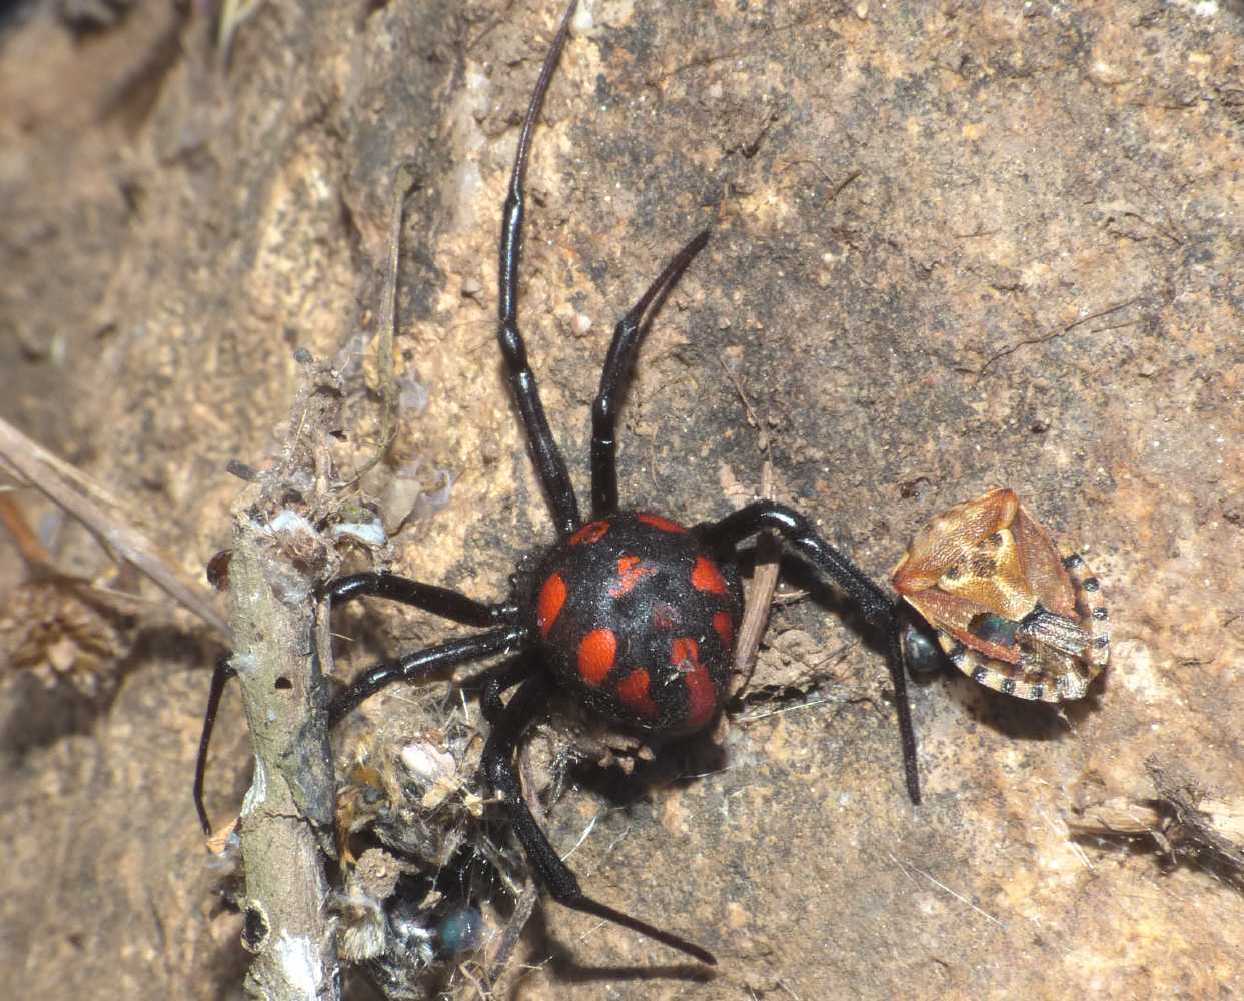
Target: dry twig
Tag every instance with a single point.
(78, 495)
(403, 181)
(286, 825)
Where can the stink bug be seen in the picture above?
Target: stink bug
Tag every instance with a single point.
(1009, 611)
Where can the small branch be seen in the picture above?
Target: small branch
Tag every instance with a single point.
(523, 907)
(78, 495)
(286, 824)
(760, 599)
(1181, 823)
(768, 565)
(403, 181)
(909, 868)
(1057, 332)
(28, 544)
(288, 808)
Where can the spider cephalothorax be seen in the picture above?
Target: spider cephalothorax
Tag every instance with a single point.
(631, 612)
(1010, 612)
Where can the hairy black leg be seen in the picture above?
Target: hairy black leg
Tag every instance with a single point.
(549, 463)
(416, 665)
(426, 597)
(874, 604)
(550, 870)
(619, 361)
(220, 675)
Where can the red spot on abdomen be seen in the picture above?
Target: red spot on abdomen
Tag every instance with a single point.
(633, 690)
(591, 532)
(724, 625)
(684, 653)
(596, 652)
(549, 603)
(706, 577)
(630, 572)
(701, 692)
(664, 524)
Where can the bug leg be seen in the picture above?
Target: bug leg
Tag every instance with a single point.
(550, 870)
(220, 676)
(416, 665)
(619, 360)
(873, 603)
(426, 597)
(549, 463)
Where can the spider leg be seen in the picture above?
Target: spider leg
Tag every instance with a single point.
(407, 668)
(627, 336)
(498, 763)
(500, 679)
(437, 600)
(220, 676)
(548, 460)
(416, 665)
(426, 597)
(874, 604)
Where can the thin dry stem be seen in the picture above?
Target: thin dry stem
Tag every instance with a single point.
(80, 496)
(286, 825)
(760, 597)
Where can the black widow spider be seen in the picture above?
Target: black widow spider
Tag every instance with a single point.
(632, 612)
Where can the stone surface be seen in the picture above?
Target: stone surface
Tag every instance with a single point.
(956, 245)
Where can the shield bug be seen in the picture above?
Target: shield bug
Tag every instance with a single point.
(1009, 611)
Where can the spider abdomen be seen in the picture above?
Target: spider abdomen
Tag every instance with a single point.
(638, 617)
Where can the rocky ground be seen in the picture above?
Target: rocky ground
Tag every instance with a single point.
(955, 245)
